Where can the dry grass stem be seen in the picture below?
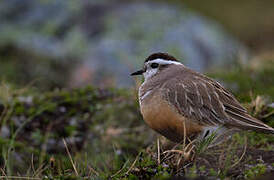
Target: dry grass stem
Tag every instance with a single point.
(241, 155)
(40, 170)
(133, 164)
(32, 164)
(184, 143)
(3, 172)
(167, 154)
(37, 172)
(174, 151)
(118, 172)
(73, 165)
(268, 114)
(158, 150)
(93, 171)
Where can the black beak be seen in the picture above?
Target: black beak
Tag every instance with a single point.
(140, 72)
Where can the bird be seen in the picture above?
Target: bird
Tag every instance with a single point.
(177, 101)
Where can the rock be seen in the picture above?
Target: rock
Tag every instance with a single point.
(135, 30)
(108, 39)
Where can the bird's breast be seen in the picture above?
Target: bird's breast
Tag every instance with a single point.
(163, 118)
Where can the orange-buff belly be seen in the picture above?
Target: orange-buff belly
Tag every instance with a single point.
(164, 119)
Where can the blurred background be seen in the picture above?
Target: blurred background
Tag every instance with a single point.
(68, 43)
(55, 53)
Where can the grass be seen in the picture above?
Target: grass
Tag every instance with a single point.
(99, 134)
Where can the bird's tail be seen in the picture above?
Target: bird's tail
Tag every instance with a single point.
(248, 122)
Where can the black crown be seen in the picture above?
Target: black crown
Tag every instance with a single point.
(160, 55)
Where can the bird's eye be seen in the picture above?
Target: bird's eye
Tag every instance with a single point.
(154, 65)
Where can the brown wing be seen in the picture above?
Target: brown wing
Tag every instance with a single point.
(195, 100)
(206, 101)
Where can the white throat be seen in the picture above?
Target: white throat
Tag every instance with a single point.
(149, 73)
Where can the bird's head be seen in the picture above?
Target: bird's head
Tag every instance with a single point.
(155, 64)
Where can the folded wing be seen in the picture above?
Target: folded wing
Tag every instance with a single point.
(207, 102)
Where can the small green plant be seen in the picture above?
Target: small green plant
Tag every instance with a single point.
(212, 172)
(204, 143)
(255, 171)
(104, 132)
(202, 169)
(192, 173)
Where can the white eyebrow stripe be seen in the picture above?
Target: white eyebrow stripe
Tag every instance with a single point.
(162, 61)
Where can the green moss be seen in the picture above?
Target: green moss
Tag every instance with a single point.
(104, 130)
(19, 110)
(255, 171)
(212, 172)
(192, 172)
